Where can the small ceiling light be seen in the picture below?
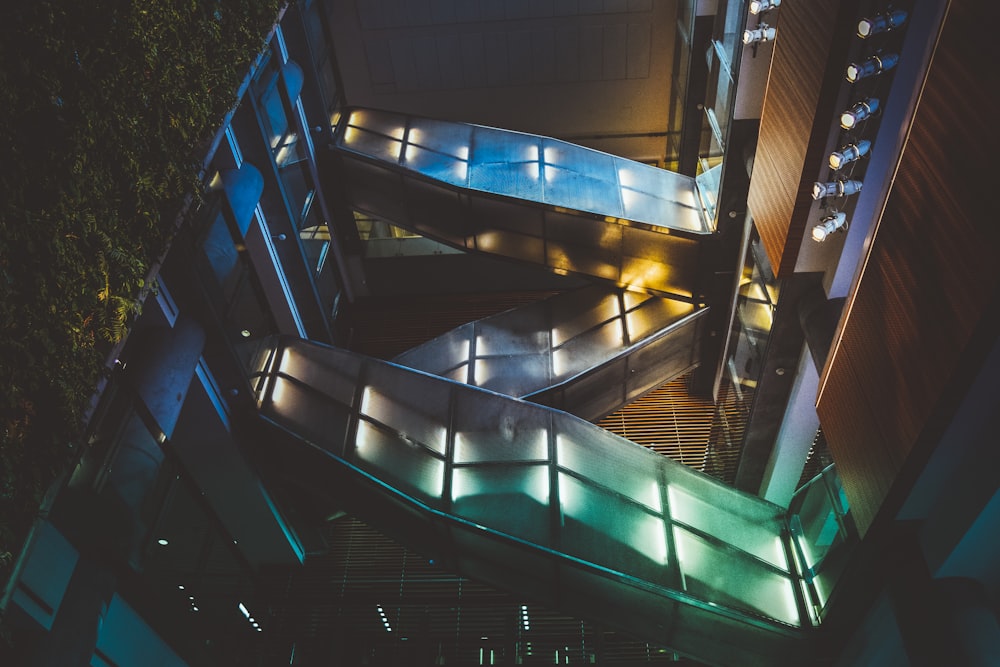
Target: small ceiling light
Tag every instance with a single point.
(838, 188)
(245, 333)
(873, 66)
(758, 6)
(849, 153)
(162, 542)
(829, 225)
(858, 112)
(762, 33)
(880, 23)
(194, 608)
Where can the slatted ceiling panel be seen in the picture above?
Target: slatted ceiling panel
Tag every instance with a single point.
(669, 420)
(795, 121)
(335, 596)
(926, 288)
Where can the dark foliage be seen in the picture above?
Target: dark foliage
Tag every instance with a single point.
(106, 110)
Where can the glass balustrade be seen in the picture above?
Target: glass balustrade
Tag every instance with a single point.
(533, 499)
(593, 348)
(822, 534)
(526, 197)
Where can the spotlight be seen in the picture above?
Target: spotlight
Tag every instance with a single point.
(849, 153)
(762, 33)
(838, 188)
(873, 66)
(758, 6)
(879, 23)
(858, 112)
(829, 225)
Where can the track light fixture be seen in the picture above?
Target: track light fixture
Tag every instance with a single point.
(858, 112)
(849, 153)
(829, 225)
(762, 33)
(759, 6)
(839, 188)
(873, 66)
(889, 20)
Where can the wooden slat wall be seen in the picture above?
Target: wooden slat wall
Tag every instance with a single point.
(806, 67)
(928, 283)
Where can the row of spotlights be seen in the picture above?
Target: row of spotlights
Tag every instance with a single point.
(251, 619)
(385, 620)
(849, 119)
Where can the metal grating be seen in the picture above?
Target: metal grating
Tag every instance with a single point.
(669, 420)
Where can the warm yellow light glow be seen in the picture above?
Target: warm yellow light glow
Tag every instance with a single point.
(561, 363)
(415, 136)
(366, 401)
(482, 373)
(350, 135)
(489, 241)
(397, 132)
(278, 393)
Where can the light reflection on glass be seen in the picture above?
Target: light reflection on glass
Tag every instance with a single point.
(473, 481)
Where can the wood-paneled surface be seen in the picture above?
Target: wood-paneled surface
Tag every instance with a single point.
(806, 67)
(904, 346)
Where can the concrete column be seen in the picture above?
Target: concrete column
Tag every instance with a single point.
(798, 429)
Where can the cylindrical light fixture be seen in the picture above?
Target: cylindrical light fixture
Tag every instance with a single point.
(762, 33)
(873, 66)
(849, 153)
(879, 23)
(858, 112)
(758, 6)
(829, 225)
(838, 188)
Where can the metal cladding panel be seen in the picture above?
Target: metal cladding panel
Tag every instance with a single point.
(921, 312)
(797, 116)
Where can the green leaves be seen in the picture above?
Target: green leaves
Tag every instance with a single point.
(104, 107)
